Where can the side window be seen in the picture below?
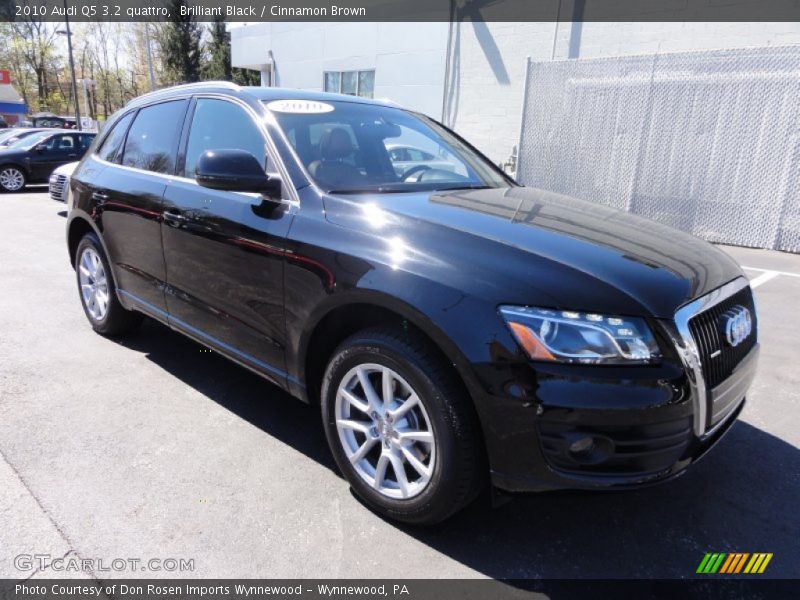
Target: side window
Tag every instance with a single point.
(50, 143)
(113, 142)
(222, 125)
(152, 140)
(417, 155)
(66, 142)
(84, 141)
(354, 83)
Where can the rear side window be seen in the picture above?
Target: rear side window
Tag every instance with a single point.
(222, 125)
(113, 142)
(84, 141)
(152, 140)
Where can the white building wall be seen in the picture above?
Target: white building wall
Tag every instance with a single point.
(408, 58)
(490, 66)
(482, 97)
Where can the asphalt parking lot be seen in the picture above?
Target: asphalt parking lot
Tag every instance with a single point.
(150, 447)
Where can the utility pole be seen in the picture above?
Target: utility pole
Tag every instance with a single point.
(85, 84)
(149, 56)
(72, 69)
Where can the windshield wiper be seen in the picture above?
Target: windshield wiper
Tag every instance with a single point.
(377, 190)
(407, 189)
(463, 187)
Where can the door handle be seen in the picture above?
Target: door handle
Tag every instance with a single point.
(174, 219)
(72, 155)
(100, 196)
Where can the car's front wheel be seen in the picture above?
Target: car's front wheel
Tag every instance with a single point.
(400, 426)
(97, 292)
(12, 179)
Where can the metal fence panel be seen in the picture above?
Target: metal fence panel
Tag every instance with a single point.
(707, 142)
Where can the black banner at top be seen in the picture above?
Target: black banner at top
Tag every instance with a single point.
(403, 10)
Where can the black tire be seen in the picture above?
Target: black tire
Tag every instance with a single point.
(116, 320)
(460, 470)
(20, 173)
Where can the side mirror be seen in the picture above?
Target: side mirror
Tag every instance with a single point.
(41, 148)
(235, 171)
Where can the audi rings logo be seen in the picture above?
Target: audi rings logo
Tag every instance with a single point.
(738, 325)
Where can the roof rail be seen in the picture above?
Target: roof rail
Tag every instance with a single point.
(185, 86)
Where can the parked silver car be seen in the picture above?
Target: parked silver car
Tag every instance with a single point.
(59, 181)
(404, 158)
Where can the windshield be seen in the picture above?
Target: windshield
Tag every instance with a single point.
(8, 134)
(29, 141)
(349, 147)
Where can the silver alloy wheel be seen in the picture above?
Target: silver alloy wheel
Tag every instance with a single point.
(386, 435)
(12, 179)
(94, 284)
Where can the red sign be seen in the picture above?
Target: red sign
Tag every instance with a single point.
(5, 77)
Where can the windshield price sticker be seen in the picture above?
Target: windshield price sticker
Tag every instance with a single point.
(300, 106)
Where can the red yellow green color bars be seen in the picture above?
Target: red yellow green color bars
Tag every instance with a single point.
(735, 562)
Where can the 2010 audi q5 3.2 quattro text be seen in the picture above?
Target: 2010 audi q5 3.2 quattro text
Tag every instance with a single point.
(457, 329)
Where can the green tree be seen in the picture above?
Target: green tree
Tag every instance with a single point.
(246, 76)
(218, 66)
(180, 45)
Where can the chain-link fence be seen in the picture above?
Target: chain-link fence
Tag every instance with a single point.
(708, 142)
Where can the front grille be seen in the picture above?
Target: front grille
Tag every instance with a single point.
(57, 187)
(717, 356)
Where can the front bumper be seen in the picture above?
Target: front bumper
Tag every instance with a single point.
(640, 423)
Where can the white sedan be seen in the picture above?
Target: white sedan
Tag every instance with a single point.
(404, 158)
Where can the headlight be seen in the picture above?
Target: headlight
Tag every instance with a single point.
(575, 337)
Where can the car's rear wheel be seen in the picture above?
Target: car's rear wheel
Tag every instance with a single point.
(97, 291)
(401, 427)
(12, 179)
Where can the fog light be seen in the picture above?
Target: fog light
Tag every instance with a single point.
(582, 445)
(588, 448)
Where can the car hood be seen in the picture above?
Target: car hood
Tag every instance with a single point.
(67, 169)
(546, 247)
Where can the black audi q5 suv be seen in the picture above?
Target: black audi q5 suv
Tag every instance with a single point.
(457, 329)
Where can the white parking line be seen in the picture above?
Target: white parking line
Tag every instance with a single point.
(763, 278)
(787, 273)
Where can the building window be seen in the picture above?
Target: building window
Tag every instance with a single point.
(353, 83)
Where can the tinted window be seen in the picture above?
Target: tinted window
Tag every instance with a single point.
(113, 142)
(350, 82)
(65, 142)
(344, 131)
(349, 147)
(419, 155)
(354, 83)
(51, 143)
(366, 83)
(398, 154)
(28, 141)
(333, 81)
(84, 141)
(153, 138)
(221, 125)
